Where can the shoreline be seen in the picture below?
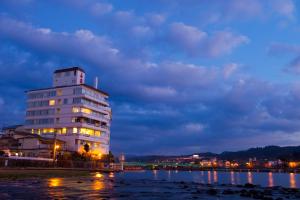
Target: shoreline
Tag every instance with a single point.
(119, 188)
(296, 171)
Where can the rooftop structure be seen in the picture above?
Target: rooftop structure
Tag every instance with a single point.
(72, 111)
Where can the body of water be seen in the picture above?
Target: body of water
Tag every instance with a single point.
(154, 184)
(265, 179)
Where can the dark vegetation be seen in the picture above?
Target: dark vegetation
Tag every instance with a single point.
(260, 153)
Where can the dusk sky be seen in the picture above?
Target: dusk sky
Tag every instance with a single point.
(183, 76)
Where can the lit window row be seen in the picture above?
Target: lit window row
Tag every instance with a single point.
(87, 111)
(83, 110)
(46, 130)
(82, 131)
(86, 131)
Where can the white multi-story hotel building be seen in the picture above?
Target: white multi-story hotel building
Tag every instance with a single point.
(74, 112)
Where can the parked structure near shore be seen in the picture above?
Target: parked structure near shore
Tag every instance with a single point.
(71, 111)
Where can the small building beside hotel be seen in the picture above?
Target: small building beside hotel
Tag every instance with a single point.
(19, 143)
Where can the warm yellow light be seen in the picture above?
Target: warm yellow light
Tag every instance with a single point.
(97, 133)
(48, 130)
(64, 130)
(249, 164)
(51, 102)
(111, 175)
(87, 131)
(98, 175)
(292, 164)
(57, 147)
(86, 110)
(54, 182)
(98, 185)
(99, 155)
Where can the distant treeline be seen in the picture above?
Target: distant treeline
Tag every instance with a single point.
(260, 153)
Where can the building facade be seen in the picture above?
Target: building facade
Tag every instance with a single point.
(71, 111)
(18, 143)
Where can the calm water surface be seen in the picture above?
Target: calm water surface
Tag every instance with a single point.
(266, 179)
(143, 185)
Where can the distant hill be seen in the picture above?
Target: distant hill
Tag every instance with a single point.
(152, 158)
(260, 153)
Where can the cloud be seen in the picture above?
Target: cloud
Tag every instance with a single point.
(82, 44)
(195, 41)
(194, 127)
(223, 42)
(241, 9)
(294, 66)
(155, 19)
(229, 69)
(101, 8)
(285, 8)
(186, 37)
(279, 49)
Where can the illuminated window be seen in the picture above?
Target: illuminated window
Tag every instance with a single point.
(86, 110)
(97, 133)
(75, 110)
(82, 130)
(51, 102)
(64, 130)
(87, 131)
(91, 132)
(39, 131)
(32, 131)
(75, 130)
(48, 130)
(59, 92)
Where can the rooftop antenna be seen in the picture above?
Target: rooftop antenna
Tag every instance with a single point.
(96, 82)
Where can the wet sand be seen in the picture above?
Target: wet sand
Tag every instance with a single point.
(109, 186)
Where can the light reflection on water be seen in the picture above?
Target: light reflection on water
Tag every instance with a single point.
(250, 177)
(292, 180)
(215, 174)
(98, 185)
(55, 182)
(232, 178)
(102, 183)
(267, 179)
(208, 177)
(270, 179)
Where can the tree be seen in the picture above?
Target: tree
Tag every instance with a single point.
(111, 157)
(86, 147)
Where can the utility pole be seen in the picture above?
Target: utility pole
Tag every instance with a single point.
(54, 149)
